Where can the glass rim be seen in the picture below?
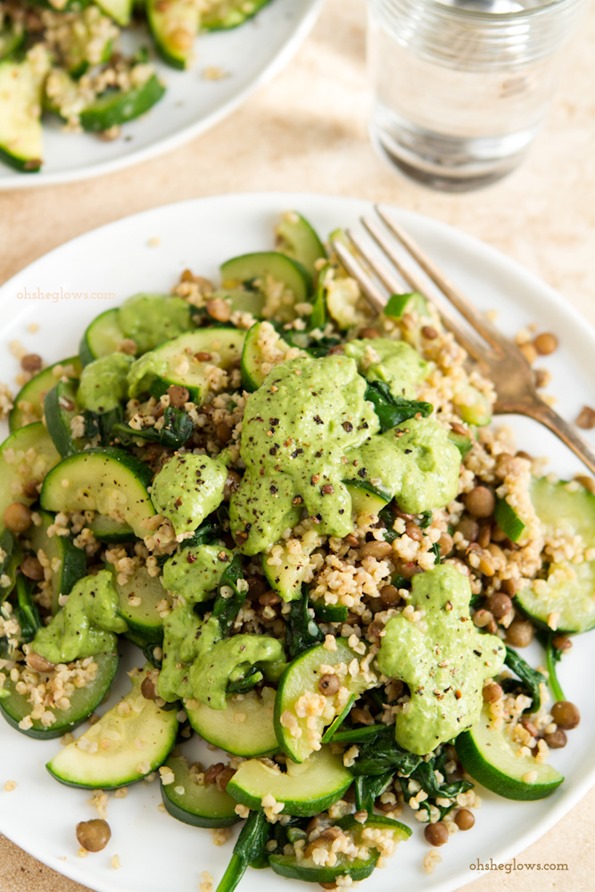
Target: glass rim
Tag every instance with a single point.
(545, 7)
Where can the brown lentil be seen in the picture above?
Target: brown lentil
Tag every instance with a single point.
(218, 309)
(413, 531)
(269, 598)
(39, 663)
(31, 568)
(223, 432)
(147, 688)
(480, 502)
(499, 605)
(370, 333)
(557, 739)
(565, 714)
(510, 586)
(586, 418)
(545, 343)
(492, 692)
(213, 771)
(436, 834)
(464, 819)
(178, 395)
(429, 332)
(17, 518)
(389, 595)
(94, 835)
(482, 618)
(224, 777)
(328, 685)
(445, 543)
(469, 529)
(520, 633)
(31, 362)
(562, 642)
(485, 535)
(377, 549)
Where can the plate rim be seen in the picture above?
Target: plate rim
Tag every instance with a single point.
(281, 199)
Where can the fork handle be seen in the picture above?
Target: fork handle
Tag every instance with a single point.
(563, 430)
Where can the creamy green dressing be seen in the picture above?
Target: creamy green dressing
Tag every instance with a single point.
(307, 430)
(151, 319)
(104, 383)
(87, 624)
(442, 657)
(194, 572)
(395, 363)
(187, 489)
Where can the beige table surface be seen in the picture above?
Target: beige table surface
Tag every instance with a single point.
(307, 131)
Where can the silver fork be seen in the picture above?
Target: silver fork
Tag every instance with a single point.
(497, 357)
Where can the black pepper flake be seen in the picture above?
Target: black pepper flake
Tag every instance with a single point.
(273, 489)
(318, 419)
(408, 451)
(191, 558)
(328, 489)
(297, 500)
(274, 450)
(347, 426)
(273, 422)
(362, 472)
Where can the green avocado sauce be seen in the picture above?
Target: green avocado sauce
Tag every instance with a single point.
(395, 363)
(308, 429)
(87, 624)
(442, 657)
(187, 489)
(104, 383)
(194, 572)
(151, 319)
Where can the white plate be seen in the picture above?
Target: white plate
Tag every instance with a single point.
(248, 55)
(157, 852)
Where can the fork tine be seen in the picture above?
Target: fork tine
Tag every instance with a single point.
(475, 319)
(355, 269)
(470, 344)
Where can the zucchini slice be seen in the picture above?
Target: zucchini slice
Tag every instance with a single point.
(60, 407)
(283, 282)
(286, 565)
(116, 107)
(309, 872)
(264, 348)
(304, 790)
(300, 735)
(109, 481)
(297, 239)
(119, 10)
(10, 559)
(127, 743)
(186, 360)
(565, 599)
(102, 337)
(11, 38)
(244, 728)
(67, 563)
(29, 401)
(188, 800)
(174, 26)
(21, 88)
(493, 759)
(83, 702)
(25, 459)
(139, 600)
(367, 499)
(221, 15)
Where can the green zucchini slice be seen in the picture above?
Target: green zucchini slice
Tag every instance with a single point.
(192, 801)
(492, 758)
(244, 728)
(128, 742)
(25, 459)
(305, 790)
(83, 702)
(29, 401)
(109, 481)
(67, 563)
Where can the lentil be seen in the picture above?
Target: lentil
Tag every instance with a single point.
(17, 518)
(178, 395)
(436, 834)
(480, 502)
(545, 343)
(520, 633)
(93, 835)
(565, 714)
(464, 819)
(31, 362)
(557, 739)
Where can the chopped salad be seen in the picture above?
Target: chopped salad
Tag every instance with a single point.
(71, 59)
(297, 513)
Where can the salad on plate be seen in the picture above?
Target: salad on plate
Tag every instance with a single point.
(296, 514)
(87, 62)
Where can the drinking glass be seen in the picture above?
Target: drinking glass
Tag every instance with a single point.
(461, 87)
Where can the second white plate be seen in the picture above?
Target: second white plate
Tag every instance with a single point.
(246, 57)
